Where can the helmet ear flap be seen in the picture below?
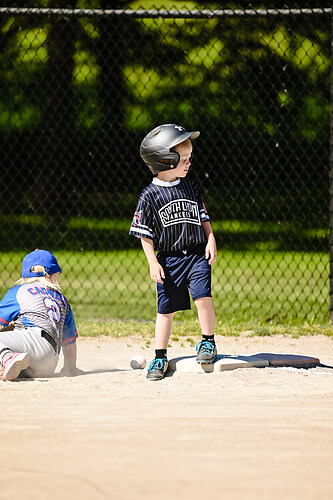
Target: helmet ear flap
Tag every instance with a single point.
(174, 162)
(169, 161)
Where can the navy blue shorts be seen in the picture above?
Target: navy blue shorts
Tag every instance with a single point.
(184, 274)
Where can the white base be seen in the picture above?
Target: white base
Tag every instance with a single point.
(223, 362)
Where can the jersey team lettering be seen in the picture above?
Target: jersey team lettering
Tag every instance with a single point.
(178, 211)
(46, 291)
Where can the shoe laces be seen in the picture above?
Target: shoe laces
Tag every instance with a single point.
(157, 364)
(205, 346)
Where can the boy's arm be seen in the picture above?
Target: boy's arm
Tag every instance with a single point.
(211, 251)
(156, 270)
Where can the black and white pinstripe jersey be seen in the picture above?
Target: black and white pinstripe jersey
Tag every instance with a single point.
(170, 214)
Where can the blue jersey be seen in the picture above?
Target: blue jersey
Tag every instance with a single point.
(171, 214)
(34, 304)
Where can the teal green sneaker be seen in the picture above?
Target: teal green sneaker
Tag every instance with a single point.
(157, 369)
(206, 352)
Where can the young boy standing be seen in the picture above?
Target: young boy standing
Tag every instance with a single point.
(170, 218)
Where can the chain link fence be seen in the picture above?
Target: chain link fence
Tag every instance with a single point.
(79, 89)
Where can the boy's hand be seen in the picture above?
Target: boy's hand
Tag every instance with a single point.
(157, 272)
(211, 251)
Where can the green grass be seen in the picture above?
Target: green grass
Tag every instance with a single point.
(260, 292)
(187, 332)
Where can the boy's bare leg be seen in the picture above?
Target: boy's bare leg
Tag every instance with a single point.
(206, 349)
(206, 315)
(163, 327)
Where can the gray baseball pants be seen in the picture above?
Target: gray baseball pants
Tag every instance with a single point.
(43, 358)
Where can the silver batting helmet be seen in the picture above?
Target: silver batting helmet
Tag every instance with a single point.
(158, 144)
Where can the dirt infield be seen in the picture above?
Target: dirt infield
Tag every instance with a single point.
(254, 433)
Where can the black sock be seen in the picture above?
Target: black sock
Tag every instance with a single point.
(161, 353)
(209, 338)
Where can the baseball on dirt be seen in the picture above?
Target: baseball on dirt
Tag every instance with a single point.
(138, 362)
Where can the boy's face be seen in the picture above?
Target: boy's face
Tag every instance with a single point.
(185, 152)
